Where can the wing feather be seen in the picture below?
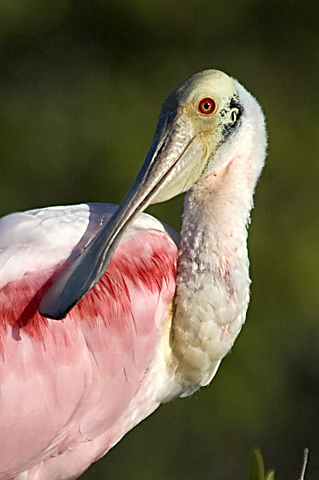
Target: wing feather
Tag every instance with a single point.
(63, 384)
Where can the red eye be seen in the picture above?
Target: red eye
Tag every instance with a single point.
(207, 105)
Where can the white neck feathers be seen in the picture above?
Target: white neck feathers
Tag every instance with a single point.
(212, 290)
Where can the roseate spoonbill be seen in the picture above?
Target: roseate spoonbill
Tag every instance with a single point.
(137, 334)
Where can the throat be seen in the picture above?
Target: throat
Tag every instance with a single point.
(212, 287)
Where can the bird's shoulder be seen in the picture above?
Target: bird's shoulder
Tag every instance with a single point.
(40, 239)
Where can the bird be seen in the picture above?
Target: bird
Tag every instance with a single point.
(105, 311)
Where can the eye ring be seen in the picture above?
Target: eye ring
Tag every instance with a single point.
(207, 106)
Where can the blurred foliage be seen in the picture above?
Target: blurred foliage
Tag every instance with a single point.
(81, 84)
(257, 468)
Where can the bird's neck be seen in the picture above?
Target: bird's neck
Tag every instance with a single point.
(212, 290)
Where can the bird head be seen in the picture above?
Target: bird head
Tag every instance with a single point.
(196, 119)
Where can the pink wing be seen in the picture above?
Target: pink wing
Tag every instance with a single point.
(64, 385)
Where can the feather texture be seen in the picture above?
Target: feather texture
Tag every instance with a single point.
(89, 366)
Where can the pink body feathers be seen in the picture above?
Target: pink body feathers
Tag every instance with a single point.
(64, 384)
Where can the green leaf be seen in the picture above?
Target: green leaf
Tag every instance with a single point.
(257, 469)
(270, 475)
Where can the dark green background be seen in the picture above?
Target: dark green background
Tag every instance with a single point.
(81, 84)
